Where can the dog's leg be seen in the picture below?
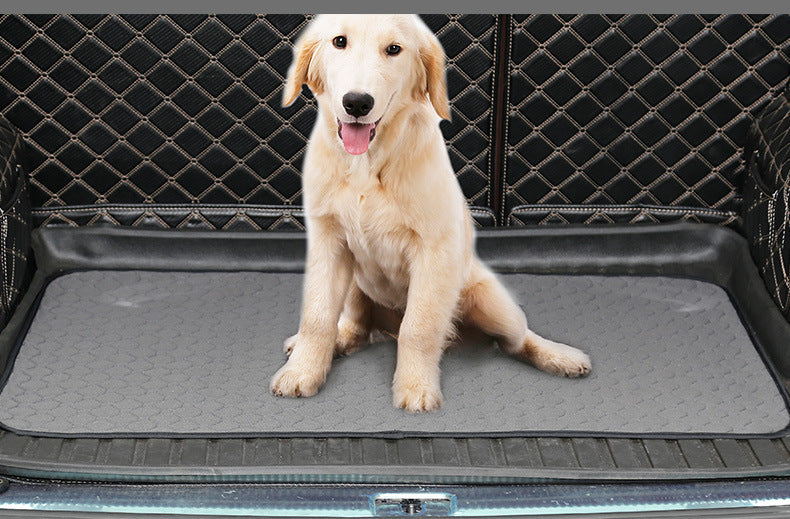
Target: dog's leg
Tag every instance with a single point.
(487, 305)
(355, 325)
(427, 323)
(353, 328)
(328, 275)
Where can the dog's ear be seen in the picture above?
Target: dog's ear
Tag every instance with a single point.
(302, 69)
(433, 61)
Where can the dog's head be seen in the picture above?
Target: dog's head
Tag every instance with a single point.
(365, 69)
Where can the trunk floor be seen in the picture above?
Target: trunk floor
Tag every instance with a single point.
(142, 353)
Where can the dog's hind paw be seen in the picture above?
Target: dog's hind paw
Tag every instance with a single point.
(350, 338)
(563, 360)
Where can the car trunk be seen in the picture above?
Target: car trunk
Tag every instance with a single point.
(605, 163)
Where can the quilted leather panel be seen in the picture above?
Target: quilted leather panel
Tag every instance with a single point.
(469, 42)
(637, 110)
(15, 221)
(604, 110)
(154, 109)
(185, 109)
(767, 198)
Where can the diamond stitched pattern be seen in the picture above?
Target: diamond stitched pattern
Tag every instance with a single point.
(14, 221)
(637, 110)
(767, 196)
(186, 109)
(154, 109)
(469, 42)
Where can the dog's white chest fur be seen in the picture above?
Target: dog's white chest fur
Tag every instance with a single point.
(378, 239)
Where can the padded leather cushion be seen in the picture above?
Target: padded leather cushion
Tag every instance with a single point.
(185, 109)
(767, 196)
(640, 110)
(15, 220)
(601, 110)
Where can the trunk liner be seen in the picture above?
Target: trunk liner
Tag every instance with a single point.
(117, 352)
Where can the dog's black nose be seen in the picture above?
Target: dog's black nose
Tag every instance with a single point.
(357, 104)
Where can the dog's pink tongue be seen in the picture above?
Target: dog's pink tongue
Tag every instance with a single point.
(356, 137)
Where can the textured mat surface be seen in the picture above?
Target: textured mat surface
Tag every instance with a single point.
(184, 353)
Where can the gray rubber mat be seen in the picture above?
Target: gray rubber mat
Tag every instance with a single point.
(146, 353)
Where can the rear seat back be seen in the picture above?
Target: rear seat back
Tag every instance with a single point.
(175, 121)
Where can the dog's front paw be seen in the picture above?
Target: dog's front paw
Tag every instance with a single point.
(417, 397)
(295, 382)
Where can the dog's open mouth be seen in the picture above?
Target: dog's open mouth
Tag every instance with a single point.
(356, 137)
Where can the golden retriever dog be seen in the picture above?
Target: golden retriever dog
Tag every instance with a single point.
(388, 227)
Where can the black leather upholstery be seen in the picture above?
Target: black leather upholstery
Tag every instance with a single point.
(14, 221)
(766, 195)
(639, 110)
(164, 110)
(175, 121)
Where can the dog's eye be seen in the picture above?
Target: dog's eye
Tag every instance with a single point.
(393, 50)
(339, 42)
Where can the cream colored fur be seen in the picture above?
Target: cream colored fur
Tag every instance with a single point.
(390, 237)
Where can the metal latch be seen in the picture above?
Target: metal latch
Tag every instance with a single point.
(417, 504)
